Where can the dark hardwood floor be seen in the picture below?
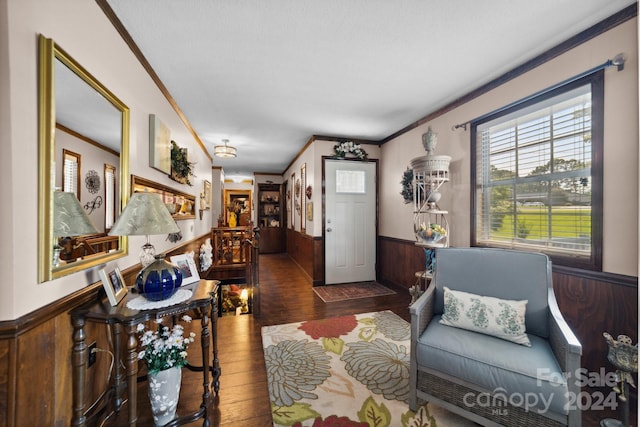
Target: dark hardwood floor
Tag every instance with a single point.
(286, 296)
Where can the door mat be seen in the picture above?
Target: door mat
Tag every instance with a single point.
(347, 291)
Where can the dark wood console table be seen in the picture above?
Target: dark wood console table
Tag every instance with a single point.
(204, 299)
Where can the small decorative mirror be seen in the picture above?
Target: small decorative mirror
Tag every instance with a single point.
(84, 151)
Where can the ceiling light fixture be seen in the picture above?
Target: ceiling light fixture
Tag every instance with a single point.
(225, 150)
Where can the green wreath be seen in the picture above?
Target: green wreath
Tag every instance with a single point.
(407, 186)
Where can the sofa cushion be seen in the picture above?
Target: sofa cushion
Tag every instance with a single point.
(527, 377)
(487, 315)
(500, 273)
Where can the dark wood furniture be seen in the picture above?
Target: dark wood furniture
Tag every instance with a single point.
(270, 219)
(228, 245)
(235, 261)
(204, 300)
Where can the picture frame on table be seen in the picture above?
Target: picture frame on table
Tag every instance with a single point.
(113, 284)
(187, 266)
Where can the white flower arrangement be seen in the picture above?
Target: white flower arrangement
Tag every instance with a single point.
(343, 148)
(164, 348)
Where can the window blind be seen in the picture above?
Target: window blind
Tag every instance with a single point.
(109, 196)
(533, 176)
(70, 176)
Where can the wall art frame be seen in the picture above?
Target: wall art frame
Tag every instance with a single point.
(293, 201)
(309, 211)
(303, 199)
(159, 145)
(205, 197)
(181, 205)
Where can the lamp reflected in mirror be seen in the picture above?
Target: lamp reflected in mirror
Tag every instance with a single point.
(69, 220)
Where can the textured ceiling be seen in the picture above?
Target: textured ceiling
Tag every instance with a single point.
(268, 75)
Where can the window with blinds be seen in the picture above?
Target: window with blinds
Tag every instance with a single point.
(71, 172)
(109, 196)
(538, 175)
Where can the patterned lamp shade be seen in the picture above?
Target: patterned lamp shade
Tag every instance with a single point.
(144, 214)
(69, 219)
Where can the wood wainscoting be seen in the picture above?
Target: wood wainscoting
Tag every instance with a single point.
(35, 356)
(591, 302)
(308, 252)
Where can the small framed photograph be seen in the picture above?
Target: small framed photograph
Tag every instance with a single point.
(113, 284)
(309, 211)
(206, 196)
(187, 265)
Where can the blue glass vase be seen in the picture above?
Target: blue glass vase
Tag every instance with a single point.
(159, 280)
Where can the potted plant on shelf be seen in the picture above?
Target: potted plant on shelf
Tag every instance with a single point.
(181, 167)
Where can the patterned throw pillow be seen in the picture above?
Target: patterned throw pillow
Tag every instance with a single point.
(492, 316)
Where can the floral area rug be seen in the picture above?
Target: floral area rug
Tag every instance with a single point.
(334, 293)
(345, 371)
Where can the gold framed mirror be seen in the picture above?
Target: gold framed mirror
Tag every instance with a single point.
(79, 115)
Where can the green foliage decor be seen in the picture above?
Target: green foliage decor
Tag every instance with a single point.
(407, 186)
(341, 149)
(181, 167)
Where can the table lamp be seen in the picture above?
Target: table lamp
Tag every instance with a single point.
(146, 214)
(69, 219)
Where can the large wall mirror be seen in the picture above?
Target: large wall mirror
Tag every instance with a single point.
(83, 159)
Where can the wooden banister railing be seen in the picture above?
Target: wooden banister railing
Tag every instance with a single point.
(229, 247)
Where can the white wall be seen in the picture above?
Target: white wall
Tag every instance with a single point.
(83, 31)
(620, 253)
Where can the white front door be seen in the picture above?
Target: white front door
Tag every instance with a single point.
(350, 221)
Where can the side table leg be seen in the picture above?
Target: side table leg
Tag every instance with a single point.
(206, 395)
(119, 376)
(132, 374)
(79, 362)
(214, 342)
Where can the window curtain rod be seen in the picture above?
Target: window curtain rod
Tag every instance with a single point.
(618, 61)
